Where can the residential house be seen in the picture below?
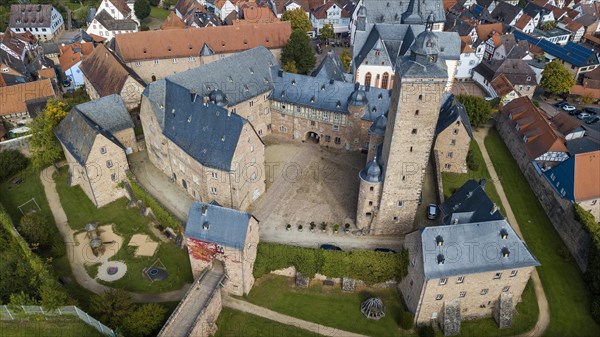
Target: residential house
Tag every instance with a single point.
(489, 35)
(230, 236)
(156, 54)
(539, 14)
(193, 14)
(510, 48)
(118, 9)
(575, 28)
(577, 58)
(588, 17)
(529, 135)
(506, 13)
(576, 180)
(468, 60)
(70, 60)
(104, 75)
(569, 127)
(526, 24)
(95, 137)
(16, 98)
(43, 21)
(113, 17)
(453, 136)
(504, 89)
(330, 13)
(20, 57)
(590, 85)
(555, 35)
(281, 6)
(221, 8)
(448, 289)
(517, 71)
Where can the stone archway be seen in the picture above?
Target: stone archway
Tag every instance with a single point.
(313, 137)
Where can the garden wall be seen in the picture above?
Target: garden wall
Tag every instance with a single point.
(20, 144)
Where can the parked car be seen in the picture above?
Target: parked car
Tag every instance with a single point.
(575, 112)
(66, 83)
(432, 211)
(568, 107)
(583, 115)
(560, 104)
(592, 119)
(327, 246)
(385, 250)
(591, 110)
(489, 98)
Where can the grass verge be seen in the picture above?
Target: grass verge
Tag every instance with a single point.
(53, 328)
(236, 323)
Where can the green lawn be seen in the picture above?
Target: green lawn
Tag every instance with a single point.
(327, 306)
(453, 181)
(54, 328)
(12, 196)
(233, 323)
(523, 321)
(563, 283)
(62, 268)
(159, 13)
(80, 211)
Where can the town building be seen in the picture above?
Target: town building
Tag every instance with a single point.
(230, 236)
(330, 13)
(114, 17)
(17, 99)
(468, 60)
(506, 13)
(332, 68)
(43, 21)
(20, 57)
(516, 71)
(156, 54)
(504, 90)
(391, 183)
(445, 288)
(70, 60)
(104, 75)
(453, 136)
(96, 137)
(281, 6)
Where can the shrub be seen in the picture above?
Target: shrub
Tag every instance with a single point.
(37, 230)
(154, 2)
(144, 27)
(592, 275)
(406, 320)
(472, 164)
(426, 331)
(11, 162)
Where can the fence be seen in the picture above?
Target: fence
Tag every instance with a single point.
(23, 311)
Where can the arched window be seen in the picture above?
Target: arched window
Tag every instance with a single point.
(384, 80)
(368, 80)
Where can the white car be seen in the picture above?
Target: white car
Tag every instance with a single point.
(583, 115)
(569, 108)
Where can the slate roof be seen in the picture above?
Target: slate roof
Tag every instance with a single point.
(532, 9)
(50, 48)
(478, 259)
(206, 132)
(452, 111)
(111, 24)
(469, 204)
(30, 16)
(393, 11)
(330, 68)
(505, 12)
(108, 112)
(576, 178)
(582, 145)
(517, 71)
(226, 226)
(323, 94)
(572, 53)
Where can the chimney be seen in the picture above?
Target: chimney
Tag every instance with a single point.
(455, 222)
(204, 209)
(280, 73)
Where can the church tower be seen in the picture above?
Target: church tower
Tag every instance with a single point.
(414, 110)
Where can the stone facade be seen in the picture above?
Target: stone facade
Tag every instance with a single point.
(206, 323)
(104, 169)
(406, 148)
(504, 310)
(131, 92)
(233, 189)
(452, 145)
(451, 318)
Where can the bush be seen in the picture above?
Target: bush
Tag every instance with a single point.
(592, 275)
(144, 27)
(154, 3)
(426, 331)
(368, 266)
(407, 320)
(472, 164)
(37, 230)
(11, 162)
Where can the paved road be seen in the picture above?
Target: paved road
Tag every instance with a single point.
(186, 314)
(592, 131)
(288, 320)
(544, 317)
(77, 261)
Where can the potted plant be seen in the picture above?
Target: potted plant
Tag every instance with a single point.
(347, 228)
(299, 228)
(323, 227)
(312, 226)
(288, 227)
(336, 228)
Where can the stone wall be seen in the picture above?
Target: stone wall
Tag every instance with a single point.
(452, 145)
(558, 210)
(206, 322)
(438, 177)
(450, 320)
(20, 144)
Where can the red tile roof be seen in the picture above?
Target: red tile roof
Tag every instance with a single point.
(14, 97)
(502, 85)
(172, 22)
(586, 184)
(72, 53)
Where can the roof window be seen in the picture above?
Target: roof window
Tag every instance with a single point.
(440, 259)
(439, 240)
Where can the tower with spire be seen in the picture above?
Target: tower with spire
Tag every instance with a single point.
(391, 183)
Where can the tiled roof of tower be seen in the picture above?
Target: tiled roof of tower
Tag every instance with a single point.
(218, 225)
(392, 11)
(178, 43)
(512, 253)
(108, 112)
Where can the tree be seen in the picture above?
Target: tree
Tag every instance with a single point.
(298, 19)
(327, 32)
(168, 3)
(142, 9)
(154, 2)
(346, 59)
(11, 162)
(36, 230)
(43, 145)
(144, 320)
(290, 67)
(478, 109)
(112, 307)
(4, 17)
(549, 25)
(21, 298)
(298, 49)
(52, 296)
(556, 79)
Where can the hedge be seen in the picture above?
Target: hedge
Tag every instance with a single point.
(368, 266)
(164, 218)
(11, 162)
(592, 275)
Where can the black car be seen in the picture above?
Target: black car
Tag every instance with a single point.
(560, 104)
(575, 112)
(385, 250)
(591, 110)
(329, 247)
(592, 119)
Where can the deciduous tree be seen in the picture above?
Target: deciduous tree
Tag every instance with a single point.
(478, 109)
(327, 32)
(142, 9)
(144, 320)
(112, 307)
(36, 230)
(346, 59)
(43, 145)
(298, 19)
(299, 50)
(556, 79)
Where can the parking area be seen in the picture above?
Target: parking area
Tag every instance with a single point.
(592, 130)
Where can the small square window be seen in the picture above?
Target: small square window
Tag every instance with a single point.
(395, 219)
(400, 203)
(484, 291)
(463, 294)
(453, 142)
(497, 276)
(416, 112)
(460, 279)
(213, 190)
(109, 163)
(312, 123)
(371, 188)
(455, 132)
(214, 175)
(113, 177)
(414, 131)
(103, 150)
(438, 297)
(505, 289)
(513, 273)
(336, 128)
(450, 154)
(370, 203)
(443, 281)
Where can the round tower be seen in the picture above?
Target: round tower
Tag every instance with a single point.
(368, 194)
(376, 132)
